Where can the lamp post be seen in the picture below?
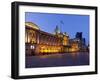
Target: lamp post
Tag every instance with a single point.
(32, 47)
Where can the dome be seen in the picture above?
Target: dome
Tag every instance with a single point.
(32, 25)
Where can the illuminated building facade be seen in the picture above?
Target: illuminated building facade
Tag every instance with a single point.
(39, 42)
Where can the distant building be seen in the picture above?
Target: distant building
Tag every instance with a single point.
(74, 43)
(81, 41)
(79, 35)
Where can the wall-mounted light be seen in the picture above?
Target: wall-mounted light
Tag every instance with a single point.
(32, 47)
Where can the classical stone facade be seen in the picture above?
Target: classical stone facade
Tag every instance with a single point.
(38, 42)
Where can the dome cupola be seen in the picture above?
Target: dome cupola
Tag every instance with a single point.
(32, 25)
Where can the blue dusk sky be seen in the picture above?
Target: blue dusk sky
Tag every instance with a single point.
(69, 23)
